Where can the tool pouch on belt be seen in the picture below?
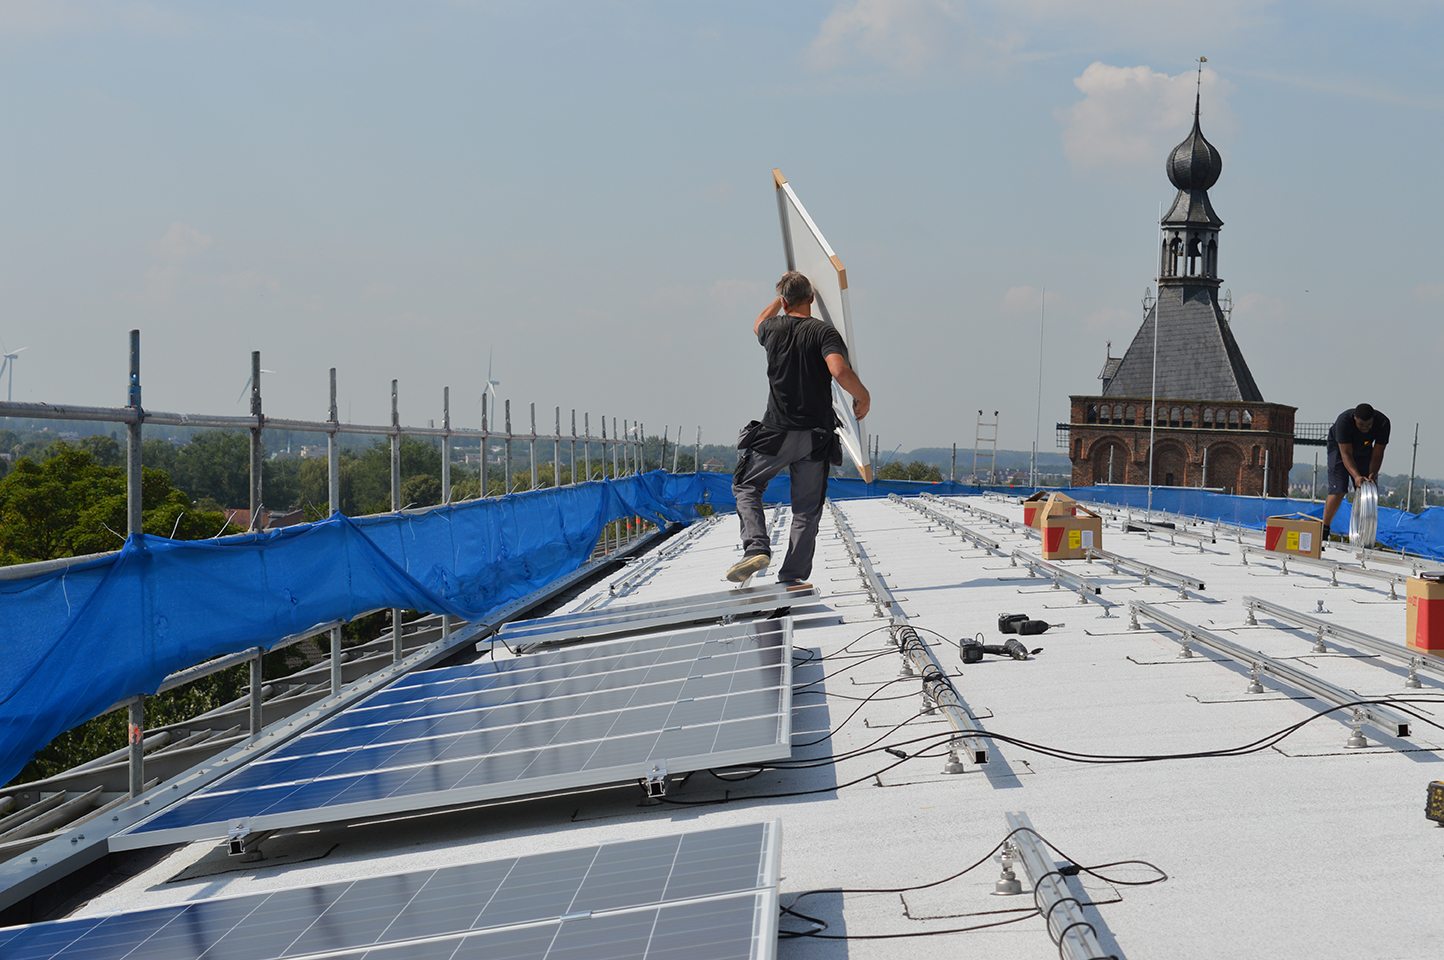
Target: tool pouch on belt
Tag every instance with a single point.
(827, 445)
(756, 437)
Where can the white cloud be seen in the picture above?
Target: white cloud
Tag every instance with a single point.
(1430, 292)
(1132, 115)
(181, 241)
(180, 244)
(1023, 300)
(48, 17)
(902, 35)
(908, 36)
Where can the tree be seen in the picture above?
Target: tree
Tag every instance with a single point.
(915, 470)
(69, 505)
(216, 464)
(106, 450)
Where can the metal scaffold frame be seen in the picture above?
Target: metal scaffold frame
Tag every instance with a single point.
(134, 416)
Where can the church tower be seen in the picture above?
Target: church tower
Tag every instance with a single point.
(1211, 425)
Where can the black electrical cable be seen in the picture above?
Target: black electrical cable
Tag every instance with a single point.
(855, 710)
(911, 933)
(841, 670)
(1037, 909)
(1262, 743)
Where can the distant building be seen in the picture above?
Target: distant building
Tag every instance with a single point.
(1213, 428)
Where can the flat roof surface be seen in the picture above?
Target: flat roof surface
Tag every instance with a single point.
(1299, 848)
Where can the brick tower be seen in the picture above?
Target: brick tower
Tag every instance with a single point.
(1212, 427)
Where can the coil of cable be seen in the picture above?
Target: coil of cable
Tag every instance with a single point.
(1364, 517)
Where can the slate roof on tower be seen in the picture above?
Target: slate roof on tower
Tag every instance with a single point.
(1198, 357)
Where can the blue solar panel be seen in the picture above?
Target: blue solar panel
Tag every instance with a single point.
(710, 697)
(710, 893)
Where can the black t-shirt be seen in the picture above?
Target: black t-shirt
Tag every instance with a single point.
(1361, 442)
(799, 393)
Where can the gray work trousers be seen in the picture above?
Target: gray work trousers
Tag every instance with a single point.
(809, 492)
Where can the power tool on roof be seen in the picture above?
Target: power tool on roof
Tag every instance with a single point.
(972, 651)
(1021, 624)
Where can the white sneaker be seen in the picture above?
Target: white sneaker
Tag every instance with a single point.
(748, 567)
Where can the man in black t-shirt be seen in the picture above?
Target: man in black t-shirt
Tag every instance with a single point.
(1356, 452)
(797, 433)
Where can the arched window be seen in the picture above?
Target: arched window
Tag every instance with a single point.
(1257, 455)
(1175, 417)
(1092, 413)
(1105, 413)
(1211, 261)
(1188, 416)
(1233, 419)
(1207, 417)
(1130, 415)
(1247, 420)
(1163, 258)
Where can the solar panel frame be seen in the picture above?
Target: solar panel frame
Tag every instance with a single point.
(590, 898)
(652, 615)
(435, 782)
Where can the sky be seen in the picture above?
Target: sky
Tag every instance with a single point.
(580, 194)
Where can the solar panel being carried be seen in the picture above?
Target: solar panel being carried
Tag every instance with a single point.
(640, 708)
(704, 895)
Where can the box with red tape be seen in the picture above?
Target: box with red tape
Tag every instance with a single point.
(1425, 630)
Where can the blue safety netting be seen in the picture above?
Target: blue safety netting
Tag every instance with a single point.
(86, 637)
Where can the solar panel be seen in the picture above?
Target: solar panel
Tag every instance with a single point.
(633, 709)
(634, 617)
(708, 895)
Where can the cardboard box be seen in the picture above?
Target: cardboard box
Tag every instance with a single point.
(1425, 629)
(1300, 535)
(1034, 506)
(1070, 531)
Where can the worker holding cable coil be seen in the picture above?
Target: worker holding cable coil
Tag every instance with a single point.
(1356, 452)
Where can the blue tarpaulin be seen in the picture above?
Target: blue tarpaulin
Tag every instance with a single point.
(93, 634)
(86, 637)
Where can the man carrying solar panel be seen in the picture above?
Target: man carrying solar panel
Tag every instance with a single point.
(1356, 452)
(798, 433)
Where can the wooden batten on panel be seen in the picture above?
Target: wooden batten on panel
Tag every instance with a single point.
(841, 271)
(777, 178)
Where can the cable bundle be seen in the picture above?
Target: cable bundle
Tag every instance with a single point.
(1364, 517)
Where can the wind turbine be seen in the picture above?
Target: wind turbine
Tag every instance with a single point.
(7, 363)
(491, 382)
(247, 385)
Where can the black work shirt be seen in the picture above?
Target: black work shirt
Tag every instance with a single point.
(1361, 442)
(799, 386)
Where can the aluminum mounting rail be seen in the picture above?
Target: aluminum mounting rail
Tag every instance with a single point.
(1149, 572)
(1086, 587)
(1367, 556)
(1150, 527)
(988, 515)
(639, 571)
(1392, 577)
(1391, 723)
(967, 533)
(1413, 659)
(1067, 926)
(918, 657)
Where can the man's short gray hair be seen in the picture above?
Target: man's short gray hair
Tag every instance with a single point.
(794, 288)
